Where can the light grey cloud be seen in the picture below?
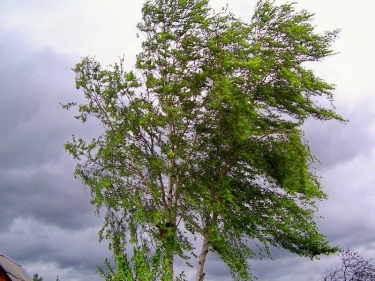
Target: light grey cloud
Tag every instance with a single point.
(334, 143)
(106, 30)
(350, 211)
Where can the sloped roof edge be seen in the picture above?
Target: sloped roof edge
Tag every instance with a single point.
(14, 270)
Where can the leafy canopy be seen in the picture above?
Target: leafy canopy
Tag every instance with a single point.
(203, 139)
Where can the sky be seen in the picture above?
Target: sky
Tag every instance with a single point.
(47, 223)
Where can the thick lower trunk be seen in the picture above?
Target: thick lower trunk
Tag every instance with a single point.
(170, 235)
(171, 265)
(169, 223)
(202, 260)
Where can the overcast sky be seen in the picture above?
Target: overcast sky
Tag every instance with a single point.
(46, 221)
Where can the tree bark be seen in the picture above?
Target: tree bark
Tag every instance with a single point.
(202, 260)
(171, 259)
(170, 221)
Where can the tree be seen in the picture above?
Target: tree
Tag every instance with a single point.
(37, 278)
(204, 139)
(354, 268)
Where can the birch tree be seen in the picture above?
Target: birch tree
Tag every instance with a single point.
(203, 139)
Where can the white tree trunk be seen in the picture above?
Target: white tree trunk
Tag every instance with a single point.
(202, 260)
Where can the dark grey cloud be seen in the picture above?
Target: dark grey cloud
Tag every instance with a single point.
(34, 127)
(49, 196)
(18, 103)
(45, 243)
(35, 172)
(45, 213)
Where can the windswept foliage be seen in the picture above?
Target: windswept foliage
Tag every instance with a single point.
(204, 139)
